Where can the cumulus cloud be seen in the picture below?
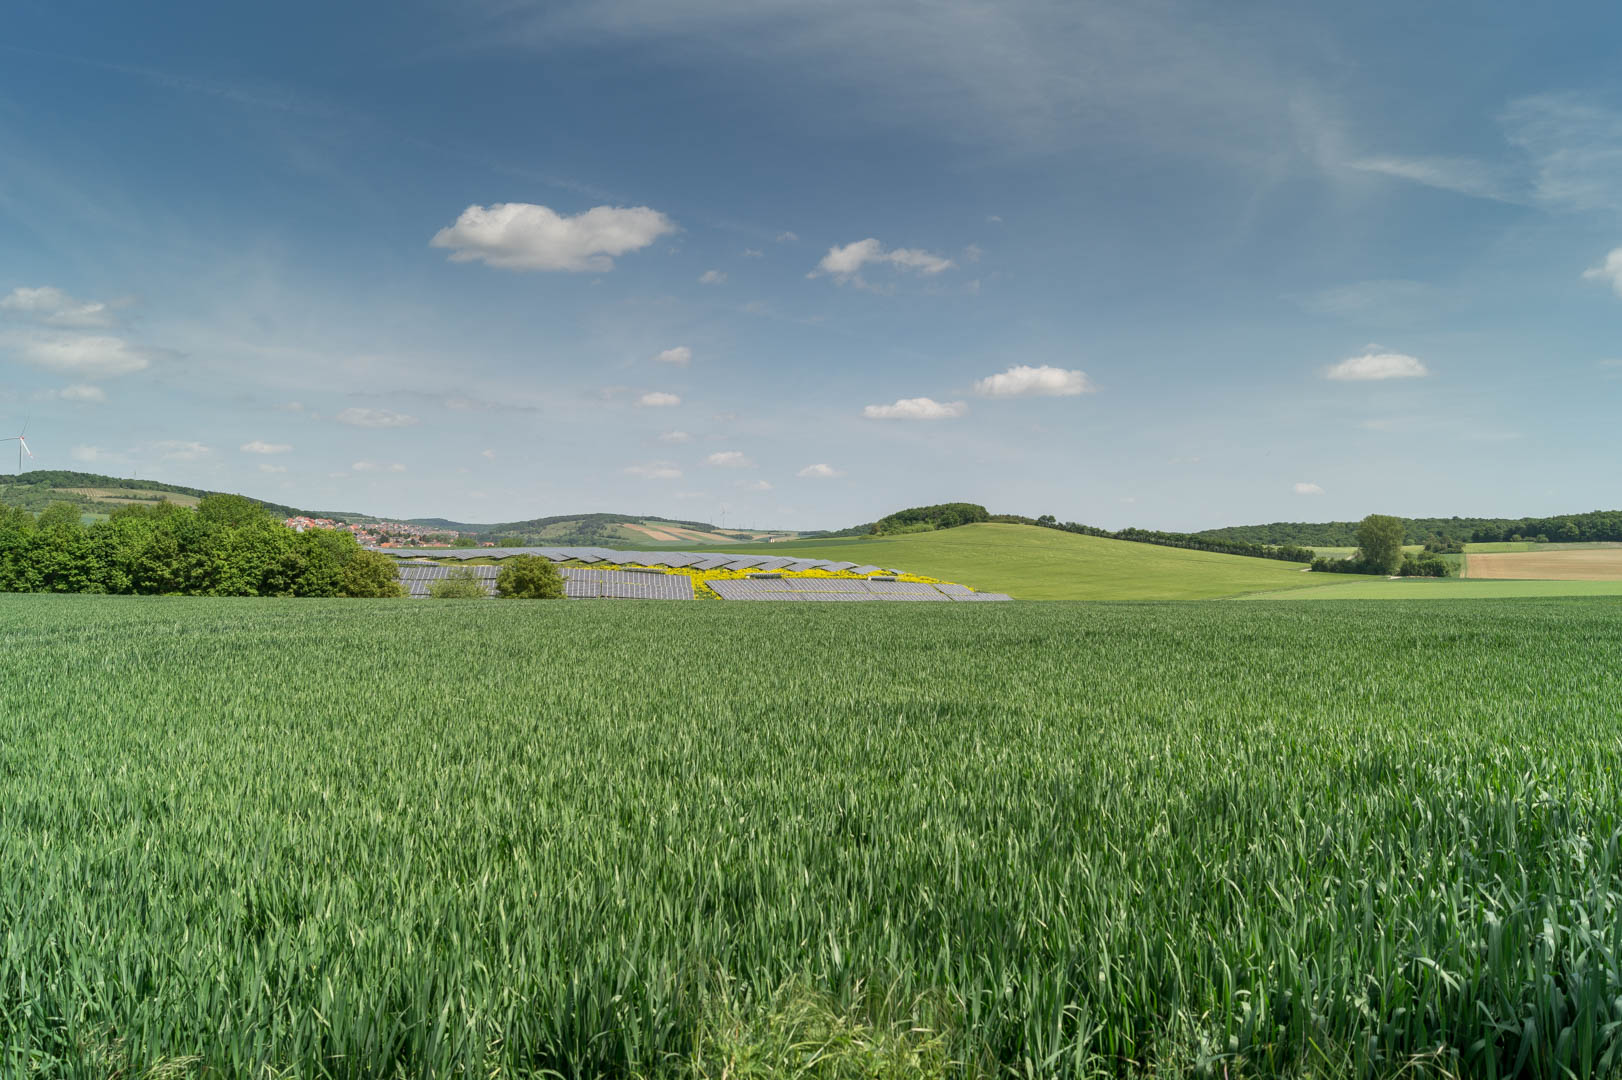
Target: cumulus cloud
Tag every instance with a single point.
(918, 408)
(82, 393)
(524, 236)
(1308, 488)
(55, 307)
(655, 470)
(1609, 271)
(93, 356)
(180, 450)
(674, 437)
(712, 277)
(259, 446)
(729, 459)
(1375, 365)
(1022, 380)
(845, 263)
(681, 356)
(376, 418)
(819, 472)
(658, 399)
(373, 466)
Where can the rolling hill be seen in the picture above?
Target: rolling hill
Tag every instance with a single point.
(1034, 563)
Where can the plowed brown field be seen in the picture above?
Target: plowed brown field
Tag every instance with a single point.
(1596, 564)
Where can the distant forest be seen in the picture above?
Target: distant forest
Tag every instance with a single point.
(1595, 526)
(39, 488)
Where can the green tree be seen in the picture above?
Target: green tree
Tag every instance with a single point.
(529, 577)
(464, 542)
(232, 510)
(460, 584)
(1379, 543)
(369, 573)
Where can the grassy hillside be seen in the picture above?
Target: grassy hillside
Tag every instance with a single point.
(94, 493)
(1044, 564)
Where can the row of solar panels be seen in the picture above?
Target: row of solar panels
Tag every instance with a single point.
(675, 560)
(579, 583)
(841, 589)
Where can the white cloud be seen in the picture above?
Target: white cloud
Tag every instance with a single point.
(290, 406)
(82, 393)
(376, 418)
(674, 437)
(680, 356)
(259, 446)
(657, 470)
(55, 307)
(819, 472)
(180, 450)
(918, 408)
(1377, 365)
(524, 236)
(268, 468)
(1308, 488)
(97, 357)
(845, 263)
(753, 253)
(994, 219)
(730, 459)
(712, 277)
(373, 466)
(658, 399)
(754, 485)
(786, 237)
(491, 454)
(89, 453)
(1609, 271)
(1465, 176)
(1022, 380)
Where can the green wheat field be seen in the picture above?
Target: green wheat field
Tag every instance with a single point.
(247, 838)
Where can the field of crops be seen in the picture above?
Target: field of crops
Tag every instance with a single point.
(381, 838)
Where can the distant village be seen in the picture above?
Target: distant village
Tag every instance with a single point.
(386, 534)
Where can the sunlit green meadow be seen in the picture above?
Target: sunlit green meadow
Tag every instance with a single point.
(497, 839)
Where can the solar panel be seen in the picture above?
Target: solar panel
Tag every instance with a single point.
(747, 562)
(836, 566)
(954, 590)
(801, 565)
(981, 596)
(774, 563)
(712, 562)
(865, 569)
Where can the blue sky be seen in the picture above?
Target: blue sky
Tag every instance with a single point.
(1163, 264)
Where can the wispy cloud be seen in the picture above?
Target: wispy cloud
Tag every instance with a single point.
(54, 307)
(376, 418)
(845, 263)
(659, 399)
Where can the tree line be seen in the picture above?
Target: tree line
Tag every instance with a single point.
(1593, 527)
(228, 546)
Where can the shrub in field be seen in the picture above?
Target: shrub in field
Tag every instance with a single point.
(460, 584)
(369, 574)
(529, 577)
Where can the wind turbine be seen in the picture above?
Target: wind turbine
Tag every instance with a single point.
(22, 446)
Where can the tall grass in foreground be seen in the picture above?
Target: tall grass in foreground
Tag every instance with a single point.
(358, 839)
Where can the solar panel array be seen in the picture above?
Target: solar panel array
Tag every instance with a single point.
(579, 582)
(586, 583)
(675, 560)
(843, 589)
